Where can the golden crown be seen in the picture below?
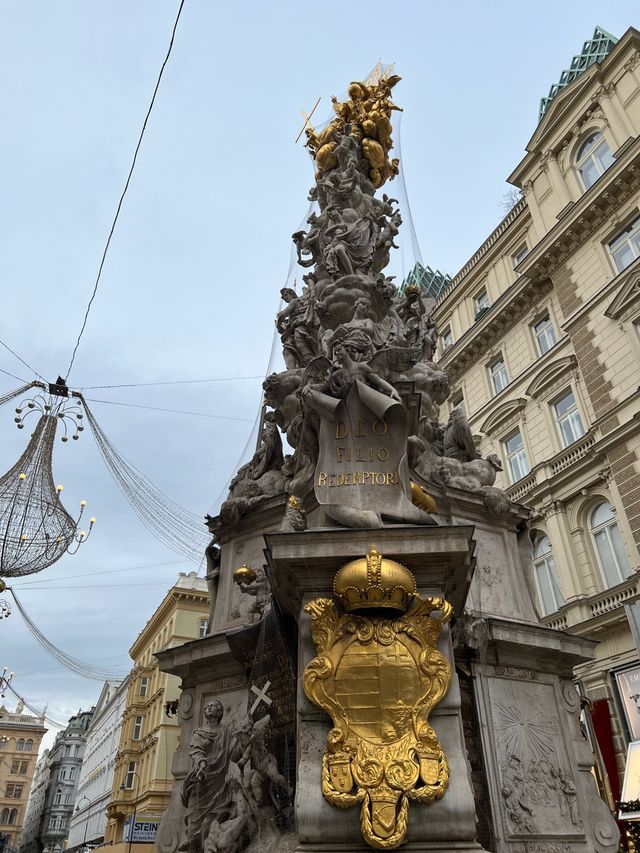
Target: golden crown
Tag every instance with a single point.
(374, 582)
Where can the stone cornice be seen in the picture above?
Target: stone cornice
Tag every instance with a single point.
(500, 229)
(170, 604)
(502, 414)
(590, 211)
(505, 311)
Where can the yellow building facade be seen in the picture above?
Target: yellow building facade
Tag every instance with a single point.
(20, 736)
(149, 736)
(540, 335)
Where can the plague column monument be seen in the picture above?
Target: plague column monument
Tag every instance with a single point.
(374, 674)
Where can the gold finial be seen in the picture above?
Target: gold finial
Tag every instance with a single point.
(244, 574)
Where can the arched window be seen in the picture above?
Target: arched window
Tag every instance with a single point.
(13, 817)
(551, 598)
(593, 159)
(29, 745)
(606, 537)
(4, 817)
(20, 745)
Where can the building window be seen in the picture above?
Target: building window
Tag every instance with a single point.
(546, 577)
(14, 792)
(568, 419)
(28, 747)
(481, 303)
(13, 815)
(625, 248)
(4, 817)
(131, 770)
(137, 727)
(62, 774)
(456, 399)
(67, 750)
(545, 334)
(57, 798)
(446, 339)
(519, 255)
(593, 159)
(72, 774)
(516, 456)
(204, 624)
(499, 375)
(20, 745)
(606, 536)
(144, 685)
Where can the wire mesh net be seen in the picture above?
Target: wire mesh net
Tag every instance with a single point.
(36, 529)
(178, 529)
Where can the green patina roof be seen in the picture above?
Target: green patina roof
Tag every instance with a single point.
(431, 282)
(593, 50)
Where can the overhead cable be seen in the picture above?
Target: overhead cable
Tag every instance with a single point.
(170, 411)
(20, 359)
(124, 191)
(168, 382)
(176, 527)
(86, 670)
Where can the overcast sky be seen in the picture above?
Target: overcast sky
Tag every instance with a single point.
(190, 286)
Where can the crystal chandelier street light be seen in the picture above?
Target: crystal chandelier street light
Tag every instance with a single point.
(35, 528)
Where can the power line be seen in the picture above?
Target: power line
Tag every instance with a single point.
(124, 191)
(39, 714)
(23, 584)
(28, 366)
(12, 375)
(94, 586)
(170, 411)
(167, 382)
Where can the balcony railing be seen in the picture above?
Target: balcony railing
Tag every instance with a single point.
(614, 598)
(522, 487)
(556, 621)
(574, 452)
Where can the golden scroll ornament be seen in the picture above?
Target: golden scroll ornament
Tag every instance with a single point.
(379, 676)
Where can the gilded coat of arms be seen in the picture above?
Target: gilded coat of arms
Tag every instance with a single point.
(379, 676)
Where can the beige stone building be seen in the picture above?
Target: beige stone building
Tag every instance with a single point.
(149, 735)
(540, 335)
(20, 736)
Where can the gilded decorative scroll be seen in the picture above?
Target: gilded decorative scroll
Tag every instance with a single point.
(379, 678)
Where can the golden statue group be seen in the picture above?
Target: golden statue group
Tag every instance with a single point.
(345, 563)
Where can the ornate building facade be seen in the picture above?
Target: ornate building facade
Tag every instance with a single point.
(30, 836)
(65, 760)
(20, 736)
(95, 783)
(540, 336)
(142, 778)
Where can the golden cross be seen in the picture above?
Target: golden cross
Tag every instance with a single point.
(307, 119)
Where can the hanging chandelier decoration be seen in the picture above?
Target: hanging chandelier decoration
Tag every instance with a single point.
(35, 528)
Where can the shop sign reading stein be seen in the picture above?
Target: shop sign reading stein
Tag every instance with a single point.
(379, 676)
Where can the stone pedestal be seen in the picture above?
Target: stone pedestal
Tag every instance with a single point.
(302, 567)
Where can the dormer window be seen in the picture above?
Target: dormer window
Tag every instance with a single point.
(593, 159)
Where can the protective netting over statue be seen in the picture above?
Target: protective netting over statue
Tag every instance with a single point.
(36, 529)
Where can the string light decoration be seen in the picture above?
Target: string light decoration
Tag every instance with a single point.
(35, 528)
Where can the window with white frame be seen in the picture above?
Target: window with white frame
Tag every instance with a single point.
(517, 461)
(446, 339)
(204, 624)
(608, 543)
(137, 727)
(568, 420)
(131, 773)
(551, 598)
(72, 774)
(625, 247)
(144, 685)
(456, 399)
(593, 159)
(545, 334)
(481, 303)
(57, 798)
(499, 375)
(520, 254)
